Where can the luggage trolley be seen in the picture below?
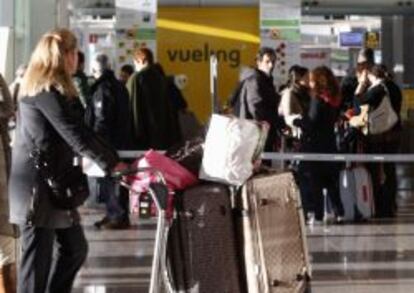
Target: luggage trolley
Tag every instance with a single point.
(159, 194)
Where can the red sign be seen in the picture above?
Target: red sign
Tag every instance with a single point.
(93, 39)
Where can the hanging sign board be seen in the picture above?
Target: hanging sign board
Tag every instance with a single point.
(280, 29)
(135, 27)
(372, 40)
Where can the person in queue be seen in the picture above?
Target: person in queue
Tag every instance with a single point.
(45, 120)
(126, 71)
(257, 98)
(154, 124)
(295, 98)
(318, 128)
(374, 85)
(108, 116)
(80, 80)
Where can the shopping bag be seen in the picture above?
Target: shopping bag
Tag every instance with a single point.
(175, 175)
(231, 147)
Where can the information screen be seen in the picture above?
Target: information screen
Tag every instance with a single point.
(351, 39)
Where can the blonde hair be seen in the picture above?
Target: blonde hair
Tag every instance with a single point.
(47, 66)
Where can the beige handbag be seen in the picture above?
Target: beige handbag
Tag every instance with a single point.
(378, 120)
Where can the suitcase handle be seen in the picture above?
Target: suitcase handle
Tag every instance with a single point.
(263, 202)
(299, 278)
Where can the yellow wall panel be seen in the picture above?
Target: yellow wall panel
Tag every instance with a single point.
(408, 102)
(187, 36)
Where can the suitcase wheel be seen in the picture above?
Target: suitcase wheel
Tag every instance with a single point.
(275, 283)
(188, 215)
(303, 277)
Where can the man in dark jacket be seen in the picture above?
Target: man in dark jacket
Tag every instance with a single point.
(81, 80)
(153, 122)
(108, 115)
(258, 99)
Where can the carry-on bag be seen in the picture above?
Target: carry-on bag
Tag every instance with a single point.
(347, 192)
(274, 240)
(364, 192)
(176, 176)
(355, 189)
(201, 251)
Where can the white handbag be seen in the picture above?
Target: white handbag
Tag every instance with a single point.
(383, 118)
(230, 149)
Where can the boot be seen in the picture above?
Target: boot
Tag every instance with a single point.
(8, 279)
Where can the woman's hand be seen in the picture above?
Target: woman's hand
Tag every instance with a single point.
(121, 166)
(349, 113)
(363, 76)
(363, 83)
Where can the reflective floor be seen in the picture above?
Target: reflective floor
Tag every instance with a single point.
(373, 257)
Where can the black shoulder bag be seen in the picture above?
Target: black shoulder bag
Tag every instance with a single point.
(69, 189)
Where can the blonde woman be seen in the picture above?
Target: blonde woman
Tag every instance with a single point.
(45, 119)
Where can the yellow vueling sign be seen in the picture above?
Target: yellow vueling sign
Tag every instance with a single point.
(186, 37)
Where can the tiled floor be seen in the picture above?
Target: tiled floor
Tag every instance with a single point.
(373, 257)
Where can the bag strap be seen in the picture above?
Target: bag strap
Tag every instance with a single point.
(28, 139)
(38, 157)
(33, 150)
(387, 94)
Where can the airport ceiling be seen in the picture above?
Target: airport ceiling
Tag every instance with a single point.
(309, 7)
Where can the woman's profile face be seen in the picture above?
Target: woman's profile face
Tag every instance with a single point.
(304, 81)
(312, 82)
(71, 60)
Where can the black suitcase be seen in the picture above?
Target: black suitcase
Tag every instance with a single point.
(201, 251)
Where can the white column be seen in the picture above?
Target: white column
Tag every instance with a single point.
(7, 39)
(6, 13)
(43, 17)
(62, 17)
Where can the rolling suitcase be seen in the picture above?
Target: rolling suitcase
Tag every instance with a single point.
(347, 191)
(274, 240)
(201, 251)
(364, 192)
(355, 188)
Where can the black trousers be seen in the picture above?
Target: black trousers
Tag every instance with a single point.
(315, 176)
(385, 193)
(40, 271)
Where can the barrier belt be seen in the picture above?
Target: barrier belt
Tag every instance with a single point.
(312, 157)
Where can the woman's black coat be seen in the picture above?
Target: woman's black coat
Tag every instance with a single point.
(48, 121)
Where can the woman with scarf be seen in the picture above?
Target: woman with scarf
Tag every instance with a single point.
(318, 136)
(295, 100)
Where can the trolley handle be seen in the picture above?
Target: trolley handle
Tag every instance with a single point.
(135, 170)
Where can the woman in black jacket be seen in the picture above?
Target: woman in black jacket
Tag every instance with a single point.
(373, 87)
(319, 137)
(45, 120)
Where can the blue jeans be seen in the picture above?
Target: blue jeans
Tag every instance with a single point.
(109, 193)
